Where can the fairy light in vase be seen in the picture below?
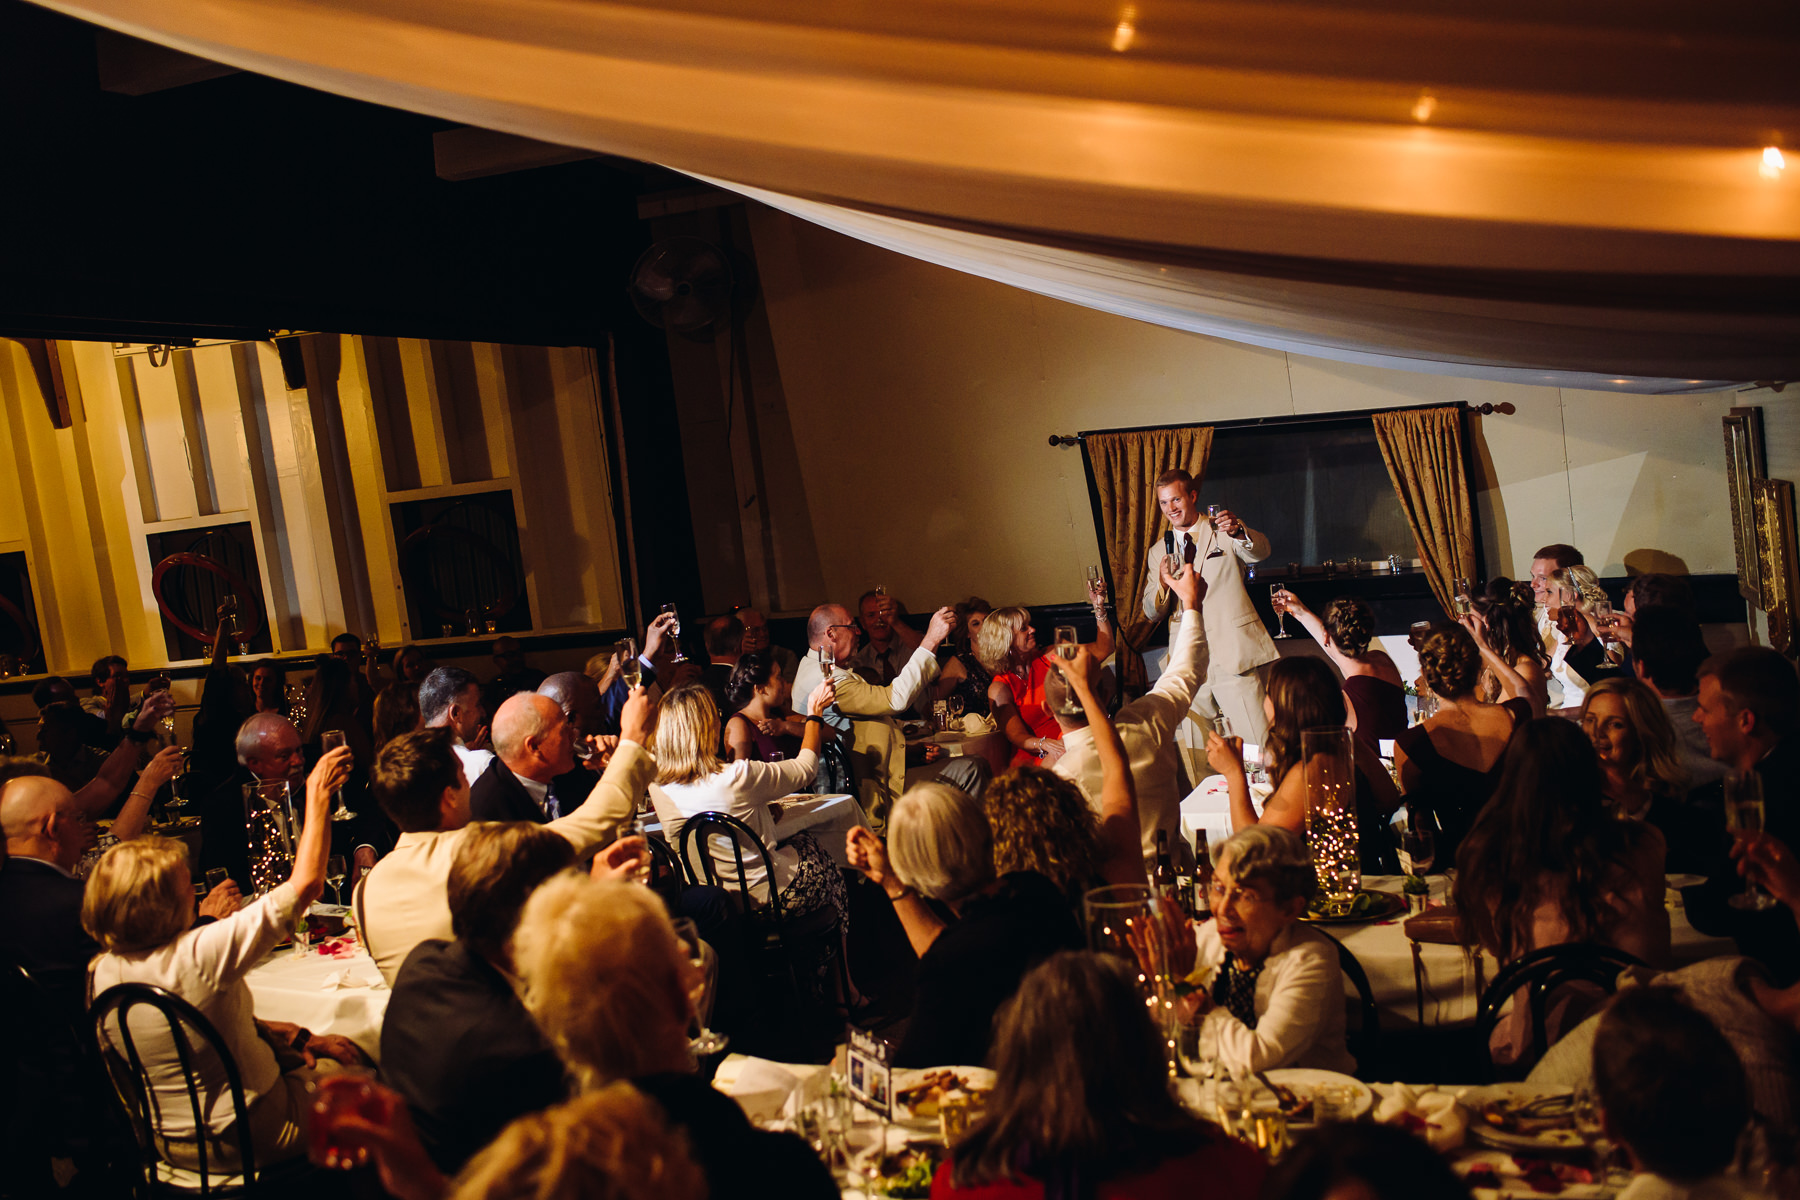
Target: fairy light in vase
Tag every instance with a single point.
(1331, 837)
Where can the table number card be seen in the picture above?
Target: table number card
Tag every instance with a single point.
(870, 1082)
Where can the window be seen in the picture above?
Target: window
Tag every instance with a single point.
(460, 558)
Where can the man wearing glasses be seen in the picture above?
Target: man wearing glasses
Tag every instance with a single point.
(863, 716)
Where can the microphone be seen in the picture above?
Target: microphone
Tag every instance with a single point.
(1168, 541)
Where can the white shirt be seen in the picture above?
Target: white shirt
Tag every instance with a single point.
(474, 762)
(539, 793)
(206, 967)
(742, 790)
(1299, 1005)
(1147, 729)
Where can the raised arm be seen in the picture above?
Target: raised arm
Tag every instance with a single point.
(135, 816)
(116, 771)
(1121, 834)
(615, 797)
(857, 697)
(314, 845)
(1512, 684)
(1315, 628)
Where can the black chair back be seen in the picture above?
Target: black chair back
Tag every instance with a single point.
(702, 828)
(131, 1078)
(1539, 974)
(1363, 1043)
(664, 862)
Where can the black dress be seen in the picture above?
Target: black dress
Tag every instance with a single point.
(1453, 792)
(973, 688)
(975, 966)
(1380, 708)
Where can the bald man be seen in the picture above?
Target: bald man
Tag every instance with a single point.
(46, 834)
(534, 748)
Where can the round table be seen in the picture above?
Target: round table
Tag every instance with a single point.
(324, 992)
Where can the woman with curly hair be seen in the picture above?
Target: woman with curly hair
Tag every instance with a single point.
(1372, 684)
(1042, 822)
(1638, 750)
(1008, 647)
(1514, 663)
(1545, 863)
(1302, 693)
(1450, 763)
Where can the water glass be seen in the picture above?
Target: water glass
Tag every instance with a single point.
(1334, 1102)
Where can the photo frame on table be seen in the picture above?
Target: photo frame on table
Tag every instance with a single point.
(1777, 560)
(1744, 465)
(871, 1083)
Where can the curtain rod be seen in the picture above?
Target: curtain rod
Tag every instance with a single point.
(1505, 409)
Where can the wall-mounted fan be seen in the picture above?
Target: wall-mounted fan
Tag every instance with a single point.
(682, 284)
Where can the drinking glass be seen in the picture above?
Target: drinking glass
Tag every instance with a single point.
(1590, 1123)
(675, 631)
(1334, 1102)
(488, 623)
(1275, 602)
(330, 740)
(1460, 597)
(1418, 849)
(448, 631)
(954, 706)
(334, 875)
(1604, 618)
(1744, 817)
(350, 1092)
(1213, 511)
(706, 1041)
(216, 877)
(1066, 645)
(630, 669)
(1331, 835)
(639, 828)
(181, 789)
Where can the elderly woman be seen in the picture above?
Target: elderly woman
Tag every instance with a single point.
(1008, 648)
(1449, 764)
(1272, 990)
(139, 905)
(1372, 685)
(1082, 1104)
(611, 986)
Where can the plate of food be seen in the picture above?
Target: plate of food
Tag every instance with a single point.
(1294, 1088)
(906, 1173)
(1366, 906)
(1522, 1116)
(919, 1095)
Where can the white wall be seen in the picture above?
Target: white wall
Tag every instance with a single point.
(922, 400)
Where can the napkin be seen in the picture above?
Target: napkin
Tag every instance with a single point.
(976, 725)
(760, 1087)
(345, 978)
(1433, 1115)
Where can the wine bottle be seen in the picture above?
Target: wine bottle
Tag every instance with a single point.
(1163, 876)
(1203, 877)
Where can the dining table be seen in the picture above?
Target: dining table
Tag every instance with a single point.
(951, 745)
(333, 987)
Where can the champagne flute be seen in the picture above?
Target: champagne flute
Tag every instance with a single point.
(630, 669)
(334, 875)
(330, 740)
(642, 872)
(1275, 602)
(1603, 617)
(1066, 644)
(675, 631)
(1744, 817)
(706, 1041)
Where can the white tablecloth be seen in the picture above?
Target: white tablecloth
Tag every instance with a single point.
(992, 746)
(326, 995)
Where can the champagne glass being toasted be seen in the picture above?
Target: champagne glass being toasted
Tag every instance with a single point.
(330, 740)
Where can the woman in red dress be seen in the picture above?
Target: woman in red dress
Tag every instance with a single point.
(1008, 647)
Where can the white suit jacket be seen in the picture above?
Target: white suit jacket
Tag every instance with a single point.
(863, 719)
(1236, 639)
(1147, 728)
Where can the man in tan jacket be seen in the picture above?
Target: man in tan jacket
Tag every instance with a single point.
(863, 716)
(419, 783)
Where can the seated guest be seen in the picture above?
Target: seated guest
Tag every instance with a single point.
(1448, 765)
(69, 760)
(534, 776)
(1275, 996)
(1654, 589)
(1372, 685)
(1009, 649)
(610, 985)
(1545, 863)
(139, 906)
(961, 674)
(333, 702)
(940, 847)
(1565, 690)
(419, 784)
(396, 712)
(410, 666)
(108, 782)
(1748, 706)
(1580, 659)
(1363, 1161)
(1303, 694)
(57, 691)
(1146, 726)
(1082, 1103)
(450, 698)
(761, 727)
(888, 643)
(580, 702)
(1514, 662)
(46, 834)
(1674, 1096)
(691, 779)
(268, 682)
(756, 641)
(1639, 757)
(1666, 652)
(863, 716)
(723, 638)
(512, 674)
(456, 1041)
(111, 680)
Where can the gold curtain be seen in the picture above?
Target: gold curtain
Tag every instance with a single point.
(1423, 448)
(1124, 467)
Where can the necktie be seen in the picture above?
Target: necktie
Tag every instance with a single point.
(1187, 549)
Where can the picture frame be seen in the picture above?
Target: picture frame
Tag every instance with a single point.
(1744, 465)
(1777, 561)
(867, 1063)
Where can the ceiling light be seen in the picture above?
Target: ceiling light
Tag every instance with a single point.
(1772, 163)
(1423, 107)
(1126, 29)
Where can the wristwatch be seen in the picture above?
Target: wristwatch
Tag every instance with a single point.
(298, 1045)
(140, 736)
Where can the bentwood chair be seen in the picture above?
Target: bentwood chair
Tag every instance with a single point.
(804, 945)
(1539, 975)
(188, 1032)
(1364, 1043)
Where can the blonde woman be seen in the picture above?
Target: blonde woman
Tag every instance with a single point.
(1008, 649)
(692, 777)
(1639, 752)
(1569, 598)
(139, 905)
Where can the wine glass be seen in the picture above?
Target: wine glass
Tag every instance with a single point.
(675, 631)
(1213, 511)
(330, 740)
(630, 669)
(181, 787)
(1066, 644)
(334, 875)
(1590, 1123)
(1603, 617)
(706, 1041)
(1275, 602)
(954, 705)
(1744, 817)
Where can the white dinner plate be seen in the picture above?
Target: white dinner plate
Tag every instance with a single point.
(1479, 1129)
(977, 1077)
(1303, 1080)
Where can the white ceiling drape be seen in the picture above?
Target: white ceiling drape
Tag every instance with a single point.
(1506, 189)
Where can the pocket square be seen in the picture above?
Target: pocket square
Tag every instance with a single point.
(1217, 554)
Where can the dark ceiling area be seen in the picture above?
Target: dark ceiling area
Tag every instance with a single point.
(239, 204)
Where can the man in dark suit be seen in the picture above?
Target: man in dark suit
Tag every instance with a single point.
(534, 777)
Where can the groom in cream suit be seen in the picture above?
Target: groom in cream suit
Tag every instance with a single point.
(1238, 644)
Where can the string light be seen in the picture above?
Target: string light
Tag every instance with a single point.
(1773, 164)
(1332, 839)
